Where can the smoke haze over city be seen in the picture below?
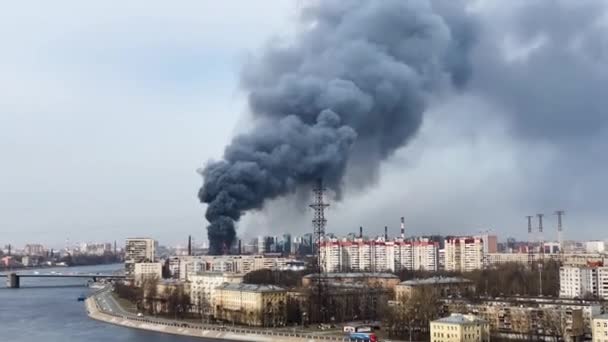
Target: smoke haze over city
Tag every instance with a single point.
(508, 118)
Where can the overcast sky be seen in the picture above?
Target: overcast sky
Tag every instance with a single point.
(107, 109)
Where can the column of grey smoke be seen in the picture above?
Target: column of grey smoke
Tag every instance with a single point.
(349, 91)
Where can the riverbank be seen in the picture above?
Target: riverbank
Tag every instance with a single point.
(175, 327)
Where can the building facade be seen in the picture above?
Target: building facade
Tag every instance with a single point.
(147, 270)
(138, 250)
(256, 305)
(583, 282)
(524, 318)
(183, 267)
(442, 286)
(600, 328)
(375, 280)
(463, 254)
(202, 289)
(34, 249)
(460, 328)
(379, 255)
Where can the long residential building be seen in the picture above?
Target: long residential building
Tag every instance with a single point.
(581, 282)
(183, 267)
(464, 254)
(378, 255)
(525, 317)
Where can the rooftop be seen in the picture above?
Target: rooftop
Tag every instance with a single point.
(435, 280)
(456, 318)
(354, 275)
(250, 288)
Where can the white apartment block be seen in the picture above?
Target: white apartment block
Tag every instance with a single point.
(380, 255)
(139, 250)
(596, 246)
(464, 254)
(579, 282)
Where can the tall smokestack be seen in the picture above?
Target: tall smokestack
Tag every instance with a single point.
(240, 247)
(328, 118)
(402, 227)
(189, 245)
(385, 233)
(559, 214)
(361, 232)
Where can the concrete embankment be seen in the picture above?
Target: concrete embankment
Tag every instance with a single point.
(189, 329)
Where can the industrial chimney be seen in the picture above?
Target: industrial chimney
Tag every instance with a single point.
(189, 245)
(385, 233)
(361, 232)
(402, 227)
(559, 214)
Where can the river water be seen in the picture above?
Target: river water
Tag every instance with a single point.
(47, 309)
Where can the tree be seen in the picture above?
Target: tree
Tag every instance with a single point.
(149, 286)
(411, 316)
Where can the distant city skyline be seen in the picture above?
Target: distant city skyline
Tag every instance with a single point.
(101, 138)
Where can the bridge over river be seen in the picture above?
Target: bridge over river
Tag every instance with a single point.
(13, 279)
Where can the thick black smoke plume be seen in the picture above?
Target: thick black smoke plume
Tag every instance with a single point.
(349, 91)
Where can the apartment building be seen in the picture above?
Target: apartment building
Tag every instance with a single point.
(600, 328)
(378, 255)
(258, 305)
(524, 317)
(464, 254)
(202, 289)
(34, 249)
(138, 250)
(183, 267)
(460, 328)
(583, 281)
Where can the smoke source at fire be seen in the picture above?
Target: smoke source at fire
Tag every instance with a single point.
(344, 94)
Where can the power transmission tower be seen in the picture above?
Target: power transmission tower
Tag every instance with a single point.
(318, 223)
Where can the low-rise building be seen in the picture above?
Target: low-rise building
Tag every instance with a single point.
(385, 280)
(600, 328)
(147, 270)
(443, 286)
(202, 289)
(257, 305)
(460, 328)
(523, 318)
(340, 303)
